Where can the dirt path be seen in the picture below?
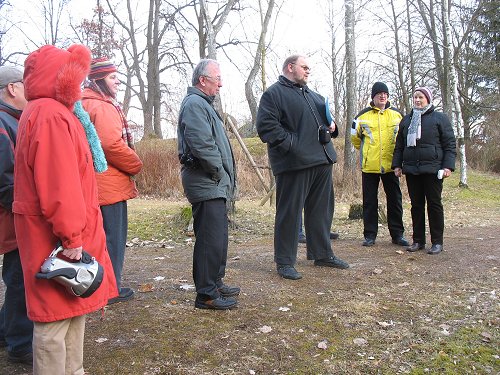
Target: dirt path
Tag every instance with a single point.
(391, 312)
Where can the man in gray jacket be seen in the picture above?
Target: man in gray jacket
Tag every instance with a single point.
(209, 180)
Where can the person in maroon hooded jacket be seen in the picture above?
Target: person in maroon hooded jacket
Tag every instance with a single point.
(55, 202)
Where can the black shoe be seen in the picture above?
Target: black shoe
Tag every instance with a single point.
(228, 291)
(331, 262)
(26, 358)
(302, 238)
(125, 295)
(401, 241)
(334, 235)
(288, 272)
(221, 303)
(415, 247)
(368, 242)
(435, 249)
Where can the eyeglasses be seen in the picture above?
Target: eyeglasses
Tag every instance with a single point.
(216, 79)
(305, 67)
(11, 83)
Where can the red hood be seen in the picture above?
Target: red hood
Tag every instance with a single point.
(50, 72)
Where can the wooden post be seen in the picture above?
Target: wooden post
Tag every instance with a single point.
(248, 155)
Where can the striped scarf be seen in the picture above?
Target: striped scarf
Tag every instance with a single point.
(126, 134)
(415, 128)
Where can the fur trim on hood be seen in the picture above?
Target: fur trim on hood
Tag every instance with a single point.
(50, 72)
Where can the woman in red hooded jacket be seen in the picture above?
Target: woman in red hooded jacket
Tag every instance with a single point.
(55, 201)
(116, 185)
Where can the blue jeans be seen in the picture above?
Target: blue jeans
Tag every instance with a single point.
(15, 327)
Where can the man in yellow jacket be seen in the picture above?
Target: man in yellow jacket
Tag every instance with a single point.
(374, 132)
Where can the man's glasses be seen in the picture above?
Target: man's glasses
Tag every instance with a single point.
(305, 67)
(216, 79)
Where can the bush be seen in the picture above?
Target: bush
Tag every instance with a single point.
(160, 176)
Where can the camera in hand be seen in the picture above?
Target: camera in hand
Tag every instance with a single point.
(189, 161)
(324, 135)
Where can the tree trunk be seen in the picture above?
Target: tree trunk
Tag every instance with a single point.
(456, 116)
(351, 98)
(410, 48)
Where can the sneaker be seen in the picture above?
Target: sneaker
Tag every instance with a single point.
(221, 303)
(288, 272)
(126, 294)
(26, 358)
(331, 262)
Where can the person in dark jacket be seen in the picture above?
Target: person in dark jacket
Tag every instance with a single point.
(16, 330)
(292, 120)
(425, 152)
(209, 180)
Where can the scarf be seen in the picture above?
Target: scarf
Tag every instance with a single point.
(100, 164)
(415, 128)
(126, 133)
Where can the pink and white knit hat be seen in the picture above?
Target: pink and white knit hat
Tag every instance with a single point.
(426, 91)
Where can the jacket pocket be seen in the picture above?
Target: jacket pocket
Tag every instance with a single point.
(26, 208)
(428, 153)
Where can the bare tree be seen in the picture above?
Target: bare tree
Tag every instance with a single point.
(428, 15)
(145, 61)
(52, 11)
(258, 62)
(210, 27)
(399, 59)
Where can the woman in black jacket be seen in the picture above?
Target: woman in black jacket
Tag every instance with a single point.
(425, 152)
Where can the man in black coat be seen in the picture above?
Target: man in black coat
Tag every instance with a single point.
(292, 120)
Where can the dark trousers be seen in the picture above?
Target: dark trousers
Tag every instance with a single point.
(310, 190)
(15, 327)
(422, 188)
(115, 225)
(210, 226)
(394, 198)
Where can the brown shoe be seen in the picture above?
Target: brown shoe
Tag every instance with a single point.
(221, 303)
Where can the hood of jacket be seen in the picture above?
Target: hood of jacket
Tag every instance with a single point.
(50, 72)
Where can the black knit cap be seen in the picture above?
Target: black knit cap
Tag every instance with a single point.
(379, 87)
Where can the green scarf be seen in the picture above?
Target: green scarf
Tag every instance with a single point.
(100, 164)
